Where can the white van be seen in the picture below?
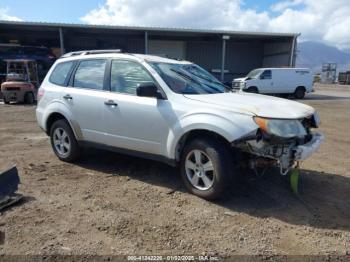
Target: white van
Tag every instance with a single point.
(296, 81)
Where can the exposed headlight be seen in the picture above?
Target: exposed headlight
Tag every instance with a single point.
(281, 127)
(242, 85)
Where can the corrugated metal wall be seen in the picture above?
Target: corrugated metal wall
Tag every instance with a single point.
(241, 58)
(172, 49)
(277, 54)
(207, 54)
(131, 45)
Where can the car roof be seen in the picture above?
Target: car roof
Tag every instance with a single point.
(83, 55)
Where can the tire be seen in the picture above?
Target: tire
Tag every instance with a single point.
(6, 102)
(208, 184)
(299, 93)
(29, 98)
(63, 141)
(252, 89)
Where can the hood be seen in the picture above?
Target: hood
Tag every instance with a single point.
(259, 105)
(242, 79)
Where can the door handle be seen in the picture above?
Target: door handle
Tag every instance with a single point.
(67, 97)
(110, 103)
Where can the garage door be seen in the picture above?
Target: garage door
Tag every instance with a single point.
(171, 49)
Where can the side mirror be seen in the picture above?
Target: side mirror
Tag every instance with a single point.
(148, 90)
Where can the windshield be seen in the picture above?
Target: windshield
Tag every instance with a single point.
(254, 74)
(188, 79)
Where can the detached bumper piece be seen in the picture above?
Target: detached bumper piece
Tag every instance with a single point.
(303, 152)
(9, 181)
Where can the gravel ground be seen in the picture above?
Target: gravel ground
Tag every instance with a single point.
(109, 204)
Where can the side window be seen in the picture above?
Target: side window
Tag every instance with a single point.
(126, 76)
(90, 74)
(60, 73)
(266, 74)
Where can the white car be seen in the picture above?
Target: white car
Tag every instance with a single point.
(171, 111)
(285, 81)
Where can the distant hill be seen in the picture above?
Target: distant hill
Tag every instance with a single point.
(314, 54)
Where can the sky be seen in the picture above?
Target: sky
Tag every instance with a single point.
(326, 21)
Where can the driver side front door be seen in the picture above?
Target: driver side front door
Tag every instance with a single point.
(266, 82)
(133, 122)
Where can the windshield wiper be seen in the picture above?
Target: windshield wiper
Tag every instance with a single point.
(198, 82)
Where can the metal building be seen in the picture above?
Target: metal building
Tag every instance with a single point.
(227, 54)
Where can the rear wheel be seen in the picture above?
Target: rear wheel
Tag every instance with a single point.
(253, 89)
(299, 93)
(63, 141)
(29, 98)
(206, 167)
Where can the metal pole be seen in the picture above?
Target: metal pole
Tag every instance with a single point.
(292, 55)
(223, 59)
(61, 41)
(146, 42)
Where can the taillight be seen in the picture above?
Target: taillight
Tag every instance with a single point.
(41, 93)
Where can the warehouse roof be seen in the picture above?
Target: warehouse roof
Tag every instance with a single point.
(149, 29)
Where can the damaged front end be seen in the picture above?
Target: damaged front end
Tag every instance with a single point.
(281, 142)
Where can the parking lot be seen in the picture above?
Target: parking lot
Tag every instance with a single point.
(112, 204)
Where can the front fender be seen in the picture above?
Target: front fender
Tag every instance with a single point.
(231, 128)
(57, 106)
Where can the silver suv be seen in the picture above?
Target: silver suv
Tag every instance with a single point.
(172, 111)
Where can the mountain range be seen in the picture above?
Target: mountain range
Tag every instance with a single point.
(313, 54)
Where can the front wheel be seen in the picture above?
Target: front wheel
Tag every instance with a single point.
(63, 141)
(206, 167)
(253, 90)
(6, 102)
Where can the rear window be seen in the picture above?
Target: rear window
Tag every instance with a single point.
(60, 73)
(90, 74)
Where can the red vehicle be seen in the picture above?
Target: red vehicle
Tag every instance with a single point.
(21, 83)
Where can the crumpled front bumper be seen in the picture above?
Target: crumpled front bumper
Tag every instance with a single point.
(283, 153)
(303, 152)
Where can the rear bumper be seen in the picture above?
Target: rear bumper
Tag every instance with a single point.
(39, 118)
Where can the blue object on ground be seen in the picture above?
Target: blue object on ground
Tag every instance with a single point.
(9, 181)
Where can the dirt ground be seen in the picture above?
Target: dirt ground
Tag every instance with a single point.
(109, 204)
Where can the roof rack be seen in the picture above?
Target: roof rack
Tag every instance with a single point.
(91, 52)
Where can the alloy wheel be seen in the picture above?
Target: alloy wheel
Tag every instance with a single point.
(199, 170)
(61, 142)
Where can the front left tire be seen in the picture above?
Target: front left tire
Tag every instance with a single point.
(206, 167)
(63, 141)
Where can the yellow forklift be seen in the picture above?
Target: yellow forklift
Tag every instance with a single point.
(21, 83)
